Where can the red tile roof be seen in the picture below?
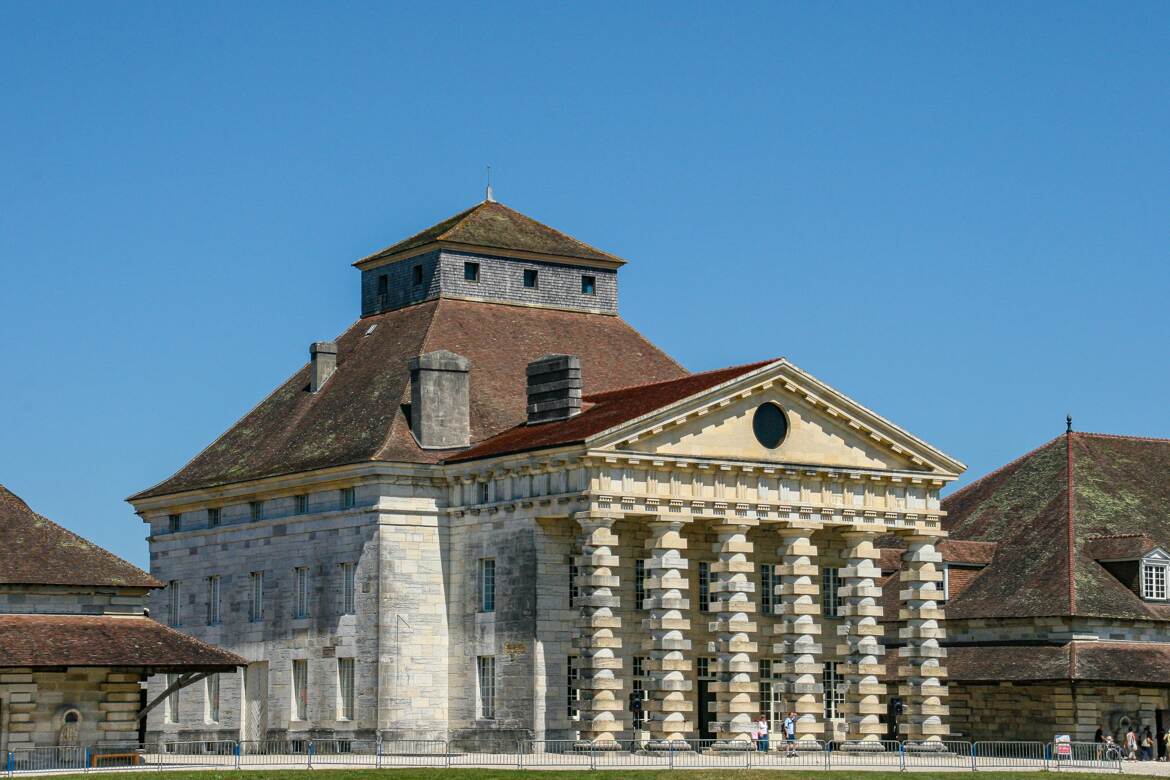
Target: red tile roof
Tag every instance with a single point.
(1119, 547)
(359, 416)
(1135, 663)
(604, 411)
(100, 640)
(36, 551)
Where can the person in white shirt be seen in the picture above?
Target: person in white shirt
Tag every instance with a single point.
(790, 734)
(762, 734)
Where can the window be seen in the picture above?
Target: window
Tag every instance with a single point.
(301, 505)
(487, 584)
(703, 668)
(211, 691)
(772, 695)
(171, 703)
(256, 599)
(834, 690)
(704, 586)
(830, 602)
(300, 674)
(639, 583)
(416, 275)
(471, 272)
(529, 277)
(638, 690)
(588, 285)
(345, 688)
(1153, 581)
(175, 522)
(483, 492)
(301, 589)
(574, 588)
(176, 603)
(213, 600)
(348, 583)
(486, 688)
(767, 588)
(257, 510)
(946, 585)
(573, 694)
(348, 498)
(383, 284)
(213, 517)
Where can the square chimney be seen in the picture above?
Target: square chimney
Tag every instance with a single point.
(554, 388)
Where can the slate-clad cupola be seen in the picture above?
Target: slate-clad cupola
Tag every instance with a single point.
(495, 254)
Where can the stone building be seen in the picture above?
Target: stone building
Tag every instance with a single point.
(491, 509)
(1056, 592)
(75, 642)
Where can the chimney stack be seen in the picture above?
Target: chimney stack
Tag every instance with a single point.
(554, 388)
(440, 414)
(323, 357)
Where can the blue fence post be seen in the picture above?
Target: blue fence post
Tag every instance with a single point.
(10, 763)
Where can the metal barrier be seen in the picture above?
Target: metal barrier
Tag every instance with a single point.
(713, 753)
(47, 759)
(557, 753)
(943, 754)
(1008, 755)
(780, 754)
(877, 753)
(411, 752)
(274, 753)
(1084, 755)
(344, 752)
(634, 754)
(176, 755)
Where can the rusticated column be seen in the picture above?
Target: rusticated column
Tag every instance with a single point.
(861, 632)
(921, 672)
(600, 665)
(799, 610)
(737, 684)
(668, 663)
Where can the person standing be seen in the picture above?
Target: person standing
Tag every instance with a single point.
(1131, 744)
(1099, 741)
(1147, 745)
(790, 735)
(762, 734)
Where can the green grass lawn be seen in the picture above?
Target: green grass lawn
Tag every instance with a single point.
(515, 774)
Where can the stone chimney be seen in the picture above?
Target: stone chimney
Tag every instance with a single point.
(323, 357)
(440, 399)
(554, 388)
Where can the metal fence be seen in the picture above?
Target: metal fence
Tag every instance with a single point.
(778, 754)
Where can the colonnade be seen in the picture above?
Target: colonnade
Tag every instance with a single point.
(798, 642)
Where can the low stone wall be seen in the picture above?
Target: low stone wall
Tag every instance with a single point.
(34, 704)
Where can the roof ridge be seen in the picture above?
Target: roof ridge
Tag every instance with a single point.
(1118, 536)
(696, 374)
(1001, 469)
(1122, 436)
(560, 233)
(1071, 503)
(455, 221)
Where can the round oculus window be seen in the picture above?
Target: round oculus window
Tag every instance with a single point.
(770, 425)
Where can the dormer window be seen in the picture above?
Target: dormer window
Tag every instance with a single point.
(529, 278)
(471, 272)
(588, 285)
(416, 275)
(1154, 568)
(383, 284)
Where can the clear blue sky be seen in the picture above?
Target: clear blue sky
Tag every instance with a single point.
(957, 213)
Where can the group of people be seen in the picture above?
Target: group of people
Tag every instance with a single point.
(760, 734)
(1134, 746)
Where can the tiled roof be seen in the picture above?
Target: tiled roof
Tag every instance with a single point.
(494, 225)
(100, 640)
(358, 415)
(605, 410)
(36, 551)
(1119, 662)
(1119, 547)
(1049, 511)
(967, 552)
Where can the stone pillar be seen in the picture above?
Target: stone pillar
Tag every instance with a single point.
(597, 642)
(921, 673)
(861, 632)
(668, 664)
(799, 610)
(737, 684)
(120, 706)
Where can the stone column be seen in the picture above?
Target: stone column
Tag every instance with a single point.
(921, 673)
(668, 664)
(799, 609)
(737, 684)
(597, 641)
(861, 632)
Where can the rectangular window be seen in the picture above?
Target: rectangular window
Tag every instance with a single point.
(348, 498)
(771, 695)
(471, 272)
(256, 597)
(704, 586)
(834, 690)
(703, 668)
(483, 492)
(213, 600)
(529, 277)
(257, 510)
(588, 285)
(301, 505)
(176, 615)
(486, 687)
(171, 703)
(830, 602)
(213, 517)
(638, 688)
(301, 589)
(639, 583)
(211, 697)
(345, 688)
(383, 284)
(300, 673)
(1153, 582)
(946, 585)
(175, 523)
(348, 589)
(574, 588)
(416, 275)
(573, 694)
(767, 588)
(487, 584)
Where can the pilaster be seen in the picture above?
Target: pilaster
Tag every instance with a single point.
(800, 627)
(737, 684)
(668, 664)
(921, 672)
(597, 642)
(861, 632)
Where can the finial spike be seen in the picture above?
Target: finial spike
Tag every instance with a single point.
(488, 197)
(1068, 423)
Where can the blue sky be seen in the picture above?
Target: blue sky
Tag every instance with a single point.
(957, 213)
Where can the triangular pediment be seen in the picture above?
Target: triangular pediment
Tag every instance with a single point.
(821, 427)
